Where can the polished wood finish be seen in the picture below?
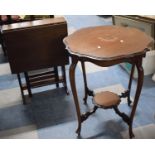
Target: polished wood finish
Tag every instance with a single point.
(107, 43)
(10, 20)
(30, 24)
(39, 40)
(106, 99)
(36, 45)
(107, 46)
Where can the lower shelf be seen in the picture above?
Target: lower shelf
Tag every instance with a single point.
(43, 79)
(106, 99)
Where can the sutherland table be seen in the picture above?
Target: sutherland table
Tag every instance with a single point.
(36, 45)
(107, 46)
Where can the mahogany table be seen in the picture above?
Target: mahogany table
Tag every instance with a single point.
(107, 46)
(37, 45)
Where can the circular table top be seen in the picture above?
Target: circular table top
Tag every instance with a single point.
(106, 42)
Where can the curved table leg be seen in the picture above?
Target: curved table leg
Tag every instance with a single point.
(74, 92)
(86, 89)
(138, 91)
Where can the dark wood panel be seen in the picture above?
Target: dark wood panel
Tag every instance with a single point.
(36, 45)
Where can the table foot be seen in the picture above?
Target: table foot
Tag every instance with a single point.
(79, 136)
(78, 130)
(131, 135)
(84, 117)
(126, 119)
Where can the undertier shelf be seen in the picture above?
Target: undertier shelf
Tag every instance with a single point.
(106, 99)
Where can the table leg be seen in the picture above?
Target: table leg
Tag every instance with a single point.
(21, 88)
(138, 91)
(86, 89)
(130, 83)
(56, 76)
(74, 92)
(127, 92)
(3, 44)
(64, 79)
(28, 84)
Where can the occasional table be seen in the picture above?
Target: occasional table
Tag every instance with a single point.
(37, 45)
(106, 46)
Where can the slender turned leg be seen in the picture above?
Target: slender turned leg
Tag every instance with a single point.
(138, 91)
(130, 83)
(21, 88)
(74, 92)
(64, 79)
(85, 82)
(56, 76)
(127, 92)
(86, 89)
(28, 84)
